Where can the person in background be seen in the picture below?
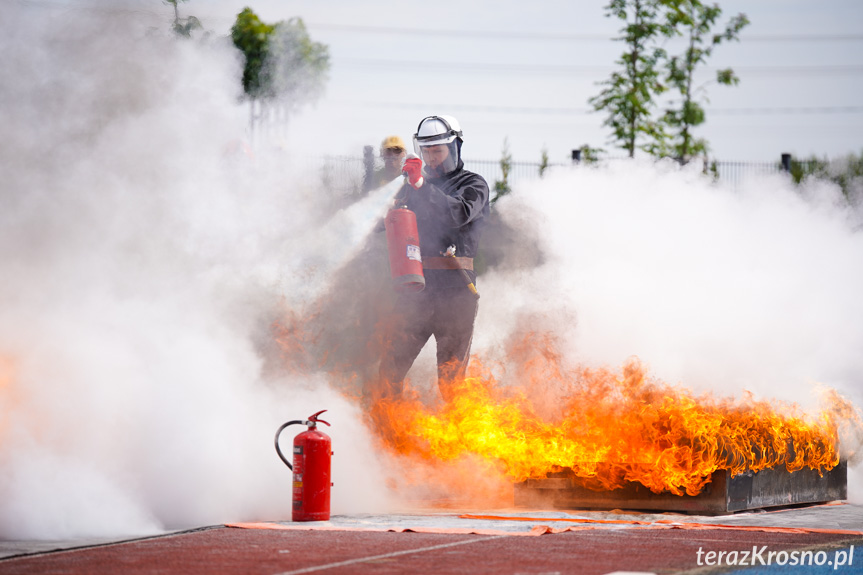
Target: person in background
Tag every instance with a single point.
(452, 207)
(393, 154)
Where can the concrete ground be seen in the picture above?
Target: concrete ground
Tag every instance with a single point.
(825, 539)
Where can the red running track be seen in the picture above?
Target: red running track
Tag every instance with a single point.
(223, 550)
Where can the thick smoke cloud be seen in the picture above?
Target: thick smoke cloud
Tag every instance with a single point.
(145, 261)
(721, 289)
(755, 289)
(144, 257)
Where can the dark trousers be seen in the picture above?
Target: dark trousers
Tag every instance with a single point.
(446, 314)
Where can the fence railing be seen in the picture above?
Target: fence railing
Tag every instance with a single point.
(344, 175)
(734, 173)
(519, 171)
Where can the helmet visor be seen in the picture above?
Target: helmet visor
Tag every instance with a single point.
(438, 158)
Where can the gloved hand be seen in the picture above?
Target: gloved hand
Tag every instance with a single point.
(413, 169)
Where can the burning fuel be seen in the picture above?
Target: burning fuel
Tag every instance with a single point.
(615, 427)
(733, 308)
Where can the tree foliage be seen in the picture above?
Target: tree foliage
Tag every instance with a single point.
(282, 62)
(590, 155)
(543, 161)
(501, 187)
(696, 22)
(629, 94)
(251, 35)
(647, 71)
(183, 26)
(846, 172)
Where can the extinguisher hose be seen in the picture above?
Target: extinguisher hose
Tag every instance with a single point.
(278, 449)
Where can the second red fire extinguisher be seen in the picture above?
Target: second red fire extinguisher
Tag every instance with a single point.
(311, 467)
(403, 244)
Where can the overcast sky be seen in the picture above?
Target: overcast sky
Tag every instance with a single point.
(525, 72)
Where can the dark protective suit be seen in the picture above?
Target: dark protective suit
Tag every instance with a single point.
(450, 210)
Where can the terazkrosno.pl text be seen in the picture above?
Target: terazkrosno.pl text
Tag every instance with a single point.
(763, 556)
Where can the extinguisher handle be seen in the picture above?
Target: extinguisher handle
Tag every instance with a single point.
(278, 449)
(314, 418)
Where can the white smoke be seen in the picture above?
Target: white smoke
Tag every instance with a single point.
(713, 288)
(144, 256)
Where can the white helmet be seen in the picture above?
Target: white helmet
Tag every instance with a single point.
(436, 131)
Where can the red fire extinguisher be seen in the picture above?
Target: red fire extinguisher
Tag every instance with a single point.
(406, 266)
(312, 452)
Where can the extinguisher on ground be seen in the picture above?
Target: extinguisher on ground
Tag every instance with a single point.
(406, 266)
(311, 487)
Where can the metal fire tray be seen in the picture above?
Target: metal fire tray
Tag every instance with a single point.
(775, 487)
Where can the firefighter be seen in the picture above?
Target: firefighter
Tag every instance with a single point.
(452, 206)
(393, 153)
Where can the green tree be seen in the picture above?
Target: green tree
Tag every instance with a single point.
(295, 69)
(283, 66)
(183, 26)
(846, 172)
(629, 94)
(543, 162)
(696, 21)
(590, 155)
(251, 35)
(501, 187)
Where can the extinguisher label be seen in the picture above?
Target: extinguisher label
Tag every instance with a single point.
(414, 253)
(298, 449)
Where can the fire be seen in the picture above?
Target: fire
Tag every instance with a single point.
(611, 427)
(607, 427)
(8, 392)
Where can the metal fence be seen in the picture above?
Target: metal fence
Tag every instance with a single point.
(519, 171)
(734, 173)
(344, 175)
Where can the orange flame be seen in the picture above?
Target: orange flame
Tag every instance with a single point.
(607, 427)
(8, 392)
(611, 428)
